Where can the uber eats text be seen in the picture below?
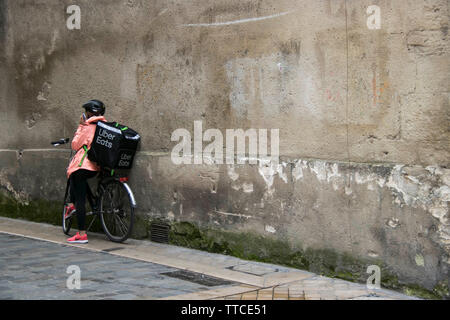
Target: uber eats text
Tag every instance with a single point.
(124, 160)
(103, 133)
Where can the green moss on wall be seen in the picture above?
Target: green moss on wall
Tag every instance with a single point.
(141, 228)
(326, 262)
(35, 210)
(39, 210)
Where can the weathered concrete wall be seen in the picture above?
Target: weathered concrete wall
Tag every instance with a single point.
(363, 115)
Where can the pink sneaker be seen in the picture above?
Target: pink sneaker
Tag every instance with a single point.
(70, 210)
(78, 239)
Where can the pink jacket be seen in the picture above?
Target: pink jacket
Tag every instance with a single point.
(83, 137)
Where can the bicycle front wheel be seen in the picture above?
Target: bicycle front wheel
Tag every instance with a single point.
(116, 211)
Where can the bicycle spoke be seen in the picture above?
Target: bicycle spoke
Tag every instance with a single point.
(121, 224)
(117, 224)
(90, 225)
(113, 224)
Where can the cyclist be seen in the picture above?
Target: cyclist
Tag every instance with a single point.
(81, 168)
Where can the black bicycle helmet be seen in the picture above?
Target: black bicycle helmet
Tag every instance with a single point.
(95, 106)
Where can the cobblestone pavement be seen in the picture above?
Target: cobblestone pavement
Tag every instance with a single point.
(34, 269)
(34, 259)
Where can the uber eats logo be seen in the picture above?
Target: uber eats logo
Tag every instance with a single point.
(105, 137)
(124, 160)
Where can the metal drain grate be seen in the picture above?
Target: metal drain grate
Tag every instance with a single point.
(159, 232)
(199, 278)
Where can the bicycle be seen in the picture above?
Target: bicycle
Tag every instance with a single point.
(113, 201)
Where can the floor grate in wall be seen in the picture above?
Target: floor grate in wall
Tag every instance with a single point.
(159, 232)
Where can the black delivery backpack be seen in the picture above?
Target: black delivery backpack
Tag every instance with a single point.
(114, 145)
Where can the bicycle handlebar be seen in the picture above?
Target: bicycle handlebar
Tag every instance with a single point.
(60, 141)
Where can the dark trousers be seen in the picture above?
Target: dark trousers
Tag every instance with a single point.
(78, 190)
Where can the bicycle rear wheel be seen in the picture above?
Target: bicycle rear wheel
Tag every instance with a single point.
(66, 222)
(116, 211)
